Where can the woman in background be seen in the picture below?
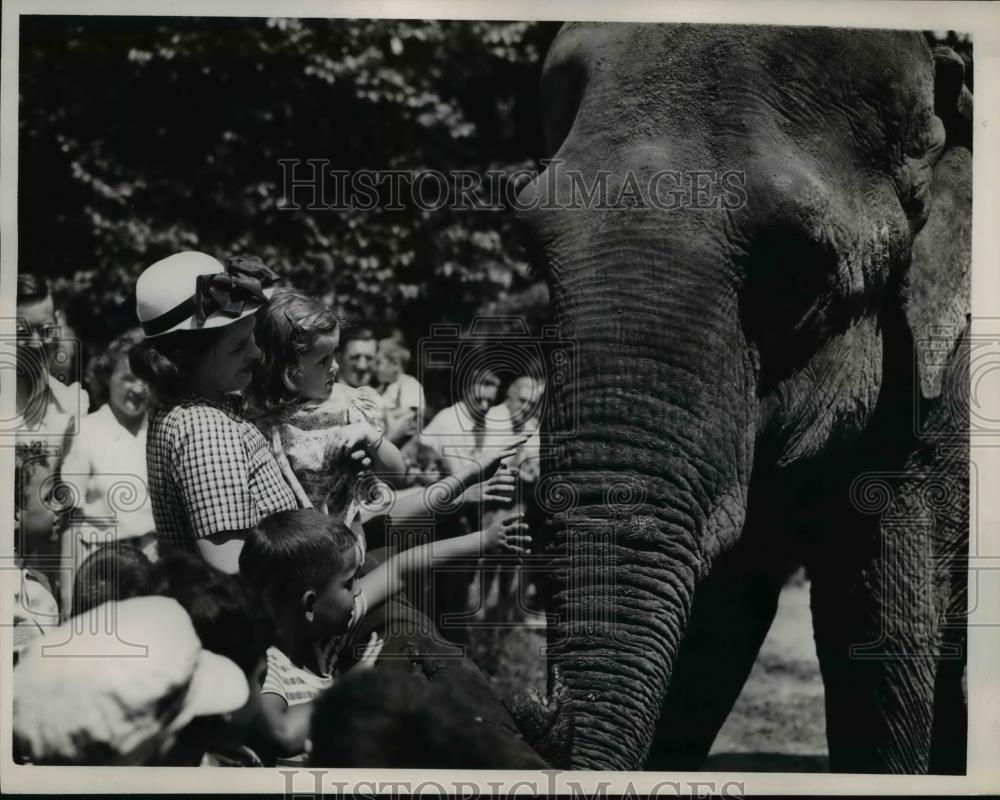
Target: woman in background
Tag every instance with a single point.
(104, 471)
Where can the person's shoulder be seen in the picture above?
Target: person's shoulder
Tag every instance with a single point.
(277, 659)
(72, 397)
(499, 412)
(445, 415)
(98, 425)
(409, 381)
(368, 396)
(444, 420)
(197, 418)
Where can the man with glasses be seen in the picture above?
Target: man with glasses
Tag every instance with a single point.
(48, 415)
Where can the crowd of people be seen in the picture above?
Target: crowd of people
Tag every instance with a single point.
(218, 486)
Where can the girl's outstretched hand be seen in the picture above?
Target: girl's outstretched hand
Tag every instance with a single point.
(509, 534)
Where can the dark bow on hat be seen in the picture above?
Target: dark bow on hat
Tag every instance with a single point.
(244, 281)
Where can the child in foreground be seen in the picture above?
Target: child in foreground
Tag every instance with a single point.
(306, 566)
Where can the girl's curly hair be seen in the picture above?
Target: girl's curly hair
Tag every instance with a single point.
(285, 331)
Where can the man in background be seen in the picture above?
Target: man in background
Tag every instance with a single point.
(48, 416)
(357, 357)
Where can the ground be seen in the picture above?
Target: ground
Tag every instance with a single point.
(778, 722)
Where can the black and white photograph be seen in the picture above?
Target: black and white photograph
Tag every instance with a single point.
(547, 398)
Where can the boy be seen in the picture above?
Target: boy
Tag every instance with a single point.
(306, 565)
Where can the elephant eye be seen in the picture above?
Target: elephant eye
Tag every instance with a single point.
(789, 296)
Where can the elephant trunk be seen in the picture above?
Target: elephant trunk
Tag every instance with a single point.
(649, 446)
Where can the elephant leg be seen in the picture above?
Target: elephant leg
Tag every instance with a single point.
(733, 610)
(877, 640)
(951, 719)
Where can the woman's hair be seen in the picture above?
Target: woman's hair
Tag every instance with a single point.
(285, 331)
(168, 362)
(115, 571)
(291, 552)
(221, 608)
(101, 367)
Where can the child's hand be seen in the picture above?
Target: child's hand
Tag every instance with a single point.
(486, 464)
(371, 653)
(350, 439)
(509, 534)
(497, 490)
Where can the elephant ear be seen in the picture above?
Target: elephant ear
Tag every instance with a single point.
(938, 295)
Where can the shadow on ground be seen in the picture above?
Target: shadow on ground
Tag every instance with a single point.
(765, 762)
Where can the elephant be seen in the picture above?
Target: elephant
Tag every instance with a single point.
(768, 372)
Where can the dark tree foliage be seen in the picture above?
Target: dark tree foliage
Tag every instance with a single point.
(143, 136)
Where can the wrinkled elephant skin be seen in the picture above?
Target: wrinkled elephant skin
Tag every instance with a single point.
(751, 370)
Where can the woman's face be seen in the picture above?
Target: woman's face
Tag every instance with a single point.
(228, 366)
(128, 396)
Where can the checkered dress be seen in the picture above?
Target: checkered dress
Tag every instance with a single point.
(210, 471)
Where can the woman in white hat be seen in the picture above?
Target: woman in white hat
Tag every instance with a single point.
(211, 473)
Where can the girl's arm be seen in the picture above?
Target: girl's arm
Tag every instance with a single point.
(387, 578)
(445, 495)
(387, 462)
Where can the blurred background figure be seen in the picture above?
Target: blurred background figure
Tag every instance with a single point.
(458, 434)
(48, 416)
(356, 358)
(460, 431)
(110, 573)
(35, 610)
(402, 393)
(106, 463)
(506, 592)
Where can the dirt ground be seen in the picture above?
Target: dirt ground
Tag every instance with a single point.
(778, 722)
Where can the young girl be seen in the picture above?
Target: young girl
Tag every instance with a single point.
(309, 418)
(315, 423)
(212, 476)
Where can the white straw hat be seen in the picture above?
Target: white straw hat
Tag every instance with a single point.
(118, 679)
(191, 291)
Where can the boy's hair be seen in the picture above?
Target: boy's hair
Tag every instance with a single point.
(285, 331)
(291, 552)
(115, 571)
(395, 353)
(391, 718)
(101, 367)
(221, 608)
